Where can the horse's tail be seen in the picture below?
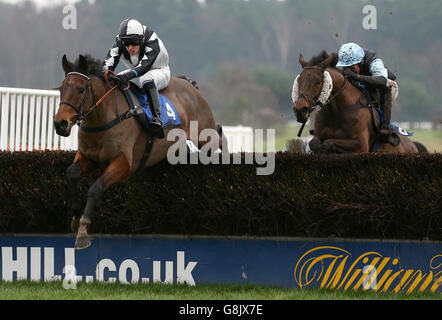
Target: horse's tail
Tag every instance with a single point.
(420, 147)
(192, 82)
(222, 139)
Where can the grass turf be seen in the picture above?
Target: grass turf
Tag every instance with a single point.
(27, 290)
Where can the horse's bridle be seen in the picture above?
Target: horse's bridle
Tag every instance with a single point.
(80, 109)
(314, 102)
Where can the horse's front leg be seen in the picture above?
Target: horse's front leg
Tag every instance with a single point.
(344, 145)
(79, 167)
(117, 171)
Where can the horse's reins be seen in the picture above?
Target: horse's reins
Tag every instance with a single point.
(80, 109)
(314, 102)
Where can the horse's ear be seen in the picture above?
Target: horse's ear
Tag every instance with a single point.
(302, 61)
(82, 65)
(67, 66)
(324, 64)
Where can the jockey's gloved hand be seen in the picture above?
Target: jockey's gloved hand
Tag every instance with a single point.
(111, 79)
(350, 74)
(123, 79)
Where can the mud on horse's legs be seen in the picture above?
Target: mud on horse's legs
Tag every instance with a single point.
(117, 171)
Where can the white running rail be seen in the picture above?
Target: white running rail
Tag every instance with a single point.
(26, 121)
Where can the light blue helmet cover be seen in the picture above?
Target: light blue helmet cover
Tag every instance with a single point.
(350, 54)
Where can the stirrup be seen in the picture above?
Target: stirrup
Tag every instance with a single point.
(156, 122)
(157, 129)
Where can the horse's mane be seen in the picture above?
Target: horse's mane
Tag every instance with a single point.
(315, 60)
(95, 66)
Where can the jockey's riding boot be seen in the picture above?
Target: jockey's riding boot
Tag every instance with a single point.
(386, 103)
(152, 93)
(385, 129)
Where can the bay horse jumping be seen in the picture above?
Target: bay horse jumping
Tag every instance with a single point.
(118, 146)
(344, 123)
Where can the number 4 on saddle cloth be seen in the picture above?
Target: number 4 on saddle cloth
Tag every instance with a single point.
(139, 100)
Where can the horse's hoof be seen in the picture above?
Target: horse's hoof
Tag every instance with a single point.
(82, 242)
(75, 224)
(328, 146)
(315, 145)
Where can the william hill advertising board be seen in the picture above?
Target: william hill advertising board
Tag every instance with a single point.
(342, 265)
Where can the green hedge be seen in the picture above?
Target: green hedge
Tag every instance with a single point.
(352, 196)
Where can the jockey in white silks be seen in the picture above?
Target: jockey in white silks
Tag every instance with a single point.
(147, 60)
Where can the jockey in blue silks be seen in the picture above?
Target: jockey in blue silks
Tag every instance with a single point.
(366, 67)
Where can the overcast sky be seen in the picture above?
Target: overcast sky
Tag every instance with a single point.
(44, 3)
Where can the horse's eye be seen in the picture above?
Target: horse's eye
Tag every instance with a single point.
(81, 90)
(318, 82)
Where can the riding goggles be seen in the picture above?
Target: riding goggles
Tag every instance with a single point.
(131, 42)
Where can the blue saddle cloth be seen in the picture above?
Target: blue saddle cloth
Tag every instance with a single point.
(169, 115)
(393, 127)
